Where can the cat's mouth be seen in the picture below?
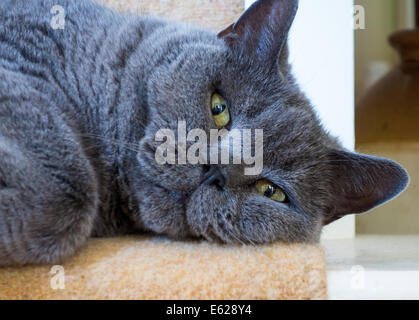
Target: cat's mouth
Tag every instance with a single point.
(179, 196)
(211, 175)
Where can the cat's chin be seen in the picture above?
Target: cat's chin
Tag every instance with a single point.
(212, 213)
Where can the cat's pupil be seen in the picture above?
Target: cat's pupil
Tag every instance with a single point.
(269, 192)
(219, 109)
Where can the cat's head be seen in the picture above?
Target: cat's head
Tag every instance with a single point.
(240, 79)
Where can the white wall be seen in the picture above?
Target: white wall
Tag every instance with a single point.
(322, 56)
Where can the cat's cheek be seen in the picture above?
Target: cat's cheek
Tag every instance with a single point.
(182, 178)
(161, 213)
(212, 214)
(263, 221)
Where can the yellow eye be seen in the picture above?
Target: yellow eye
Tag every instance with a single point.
(219, 109)
(271, 191)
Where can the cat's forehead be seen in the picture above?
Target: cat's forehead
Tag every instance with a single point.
(250, 86)
(271, 101)
(274, 103)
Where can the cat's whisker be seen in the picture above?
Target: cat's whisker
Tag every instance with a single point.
(242, 242)
(129, 146)
(259, 249)
(244, 264)
(252, 244)
(115, 143)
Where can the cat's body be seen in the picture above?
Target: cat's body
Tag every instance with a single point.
(82, 72)
(79, 108)
(87, 95)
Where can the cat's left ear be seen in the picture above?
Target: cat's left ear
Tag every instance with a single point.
(262, 31)
(360, 183)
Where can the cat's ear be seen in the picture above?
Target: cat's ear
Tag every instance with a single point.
(360, 183)
(262, 30)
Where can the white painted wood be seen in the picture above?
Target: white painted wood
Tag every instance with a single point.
(248, 3)
(322, 55)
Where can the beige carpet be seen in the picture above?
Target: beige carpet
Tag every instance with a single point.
(157, 268)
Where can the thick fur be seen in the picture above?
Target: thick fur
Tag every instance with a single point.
(79, 109)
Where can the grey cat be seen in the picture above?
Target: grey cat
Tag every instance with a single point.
(80, 107)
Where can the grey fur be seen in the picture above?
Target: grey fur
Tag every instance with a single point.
(79, 108)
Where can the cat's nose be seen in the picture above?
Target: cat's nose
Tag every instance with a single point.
(213, 175)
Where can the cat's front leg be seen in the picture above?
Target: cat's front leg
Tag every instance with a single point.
(48, 194)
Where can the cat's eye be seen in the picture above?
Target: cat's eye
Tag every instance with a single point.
(271, 191)
(220, 112)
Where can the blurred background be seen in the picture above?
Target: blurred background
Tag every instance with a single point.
(374, 57)
(387, 104)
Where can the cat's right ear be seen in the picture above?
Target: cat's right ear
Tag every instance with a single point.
(262, 31)
(360, 183)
